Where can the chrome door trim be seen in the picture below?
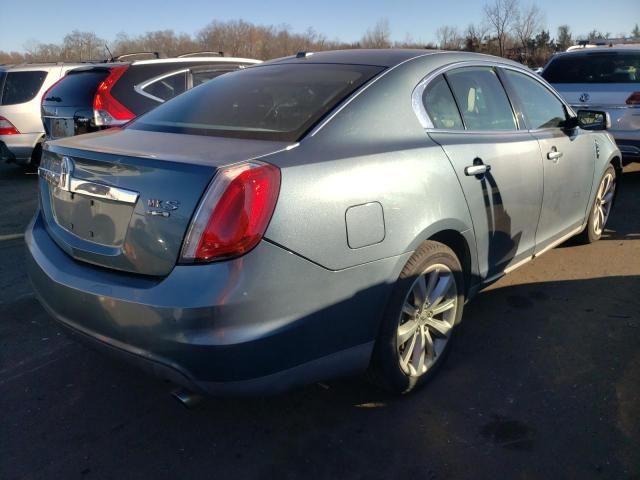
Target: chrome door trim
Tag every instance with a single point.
(139, 88)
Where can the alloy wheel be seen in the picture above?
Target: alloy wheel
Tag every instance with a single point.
(603, 203)
(426, 320)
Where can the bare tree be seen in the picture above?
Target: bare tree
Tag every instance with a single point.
(564, 39)
(377, 37)
(475, 36)
(501, 15)
(528, 21)
(449, 38)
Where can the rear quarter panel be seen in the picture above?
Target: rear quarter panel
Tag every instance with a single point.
(373, 150)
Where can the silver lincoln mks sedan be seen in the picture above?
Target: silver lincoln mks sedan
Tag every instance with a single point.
(314, 216)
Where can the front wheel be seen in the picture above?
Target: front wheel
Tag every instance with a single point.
(601, 207)
(425, 306)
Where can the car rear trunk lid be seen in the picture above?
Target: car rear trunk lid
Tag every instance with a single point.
(123, 199)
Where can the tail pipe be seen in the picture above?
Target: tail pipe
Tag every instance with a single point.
(187, 398)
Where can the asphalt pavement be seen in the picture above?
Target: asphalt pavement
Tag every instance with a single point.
(542, 382)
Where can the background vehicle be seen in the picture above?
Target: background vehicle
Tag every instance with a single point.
(313, 216)
(111, 94)
(603, 79)
(21, 89)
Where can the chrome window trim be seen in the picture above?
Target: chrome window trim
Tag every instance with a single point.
(139, 88)
(418, 91)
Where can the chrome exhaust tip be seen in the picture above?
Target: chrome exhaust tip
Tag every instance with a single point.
(187, 398)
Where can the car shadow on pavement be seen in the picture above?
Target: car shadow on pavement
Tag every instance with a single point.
(541, 382)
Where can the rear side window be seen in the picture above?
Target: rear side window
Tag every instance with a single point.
(272, 102)
(202, 76)
(541, 107)
(76, 89)
(482, 100)
(166, 88)
(440, 106)
(21, 87)
(596, 67)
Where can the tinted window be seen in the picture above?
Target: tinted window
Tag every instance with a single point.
(272, 102)
(205, 75)
(596, 67)
(168, 87)
(20, 87)
(440, 106)
(76, 89)
(482, 100)
(541, 107)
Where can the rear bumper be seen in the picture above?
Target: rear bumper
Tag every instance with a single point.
(18, 148)
(258, 324)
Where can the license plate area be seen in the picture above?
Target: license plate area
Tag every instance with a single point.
(95, 220)
(62, 127)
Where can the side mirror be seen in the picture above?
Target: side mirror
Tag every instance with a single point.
(593, 120)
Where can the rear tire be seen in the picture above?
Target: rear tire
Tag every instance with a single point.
(36, 156)
(601, 207)
(425, 306)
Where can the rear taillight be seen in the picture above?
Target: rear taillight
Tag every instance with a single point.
(634, 99)
(234, 213)
(7, 128)
(107, 111)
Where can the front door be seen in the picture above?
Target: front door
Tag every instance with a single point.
(568, 156)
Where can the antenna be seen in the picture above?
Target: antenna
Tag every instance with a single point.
(109, 51)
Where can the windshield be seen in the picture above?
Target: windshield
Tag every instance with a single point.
(596, 67)
(272, 102)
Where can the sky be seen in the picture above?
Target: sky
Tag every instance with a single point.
(47, 22)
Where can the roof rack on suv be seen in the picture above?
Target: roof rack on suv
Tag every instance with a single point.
(203, 53)
(132, 54)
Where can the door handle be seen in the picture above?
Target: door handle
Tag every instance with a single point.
(476, 170)
(554, 154)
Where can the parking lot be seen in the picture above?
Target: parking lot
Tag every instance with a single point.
(542, 382)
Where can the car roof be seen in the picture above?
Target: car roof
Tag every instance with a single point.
(25, 67)
(598, 50)
(387, 57)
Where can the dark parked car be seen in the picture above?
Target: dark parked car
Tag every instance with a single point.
(105, 95)
(313, 216)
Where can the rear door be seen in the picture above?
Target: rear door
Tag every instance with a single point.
(568, 158)
(498, 165)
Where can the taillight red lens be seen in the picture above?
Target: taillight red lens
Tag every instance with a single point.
(107, 110)
(634, 99)
(234, 213)
(7, 128)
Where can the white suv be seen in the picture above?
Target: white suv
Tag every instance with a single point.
(21, 90)
(603, 78)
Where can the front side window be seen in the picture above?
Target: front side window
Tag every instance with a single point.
(541, 107)
(440, 106)
(168, 87)
(21, 87)
(594, 67)
(482, 100)
(271, 102)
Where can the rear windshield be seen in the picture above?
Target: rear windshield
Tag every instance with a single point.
(21, 87)
(596, 67)
(76, 89)
(271, 102)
